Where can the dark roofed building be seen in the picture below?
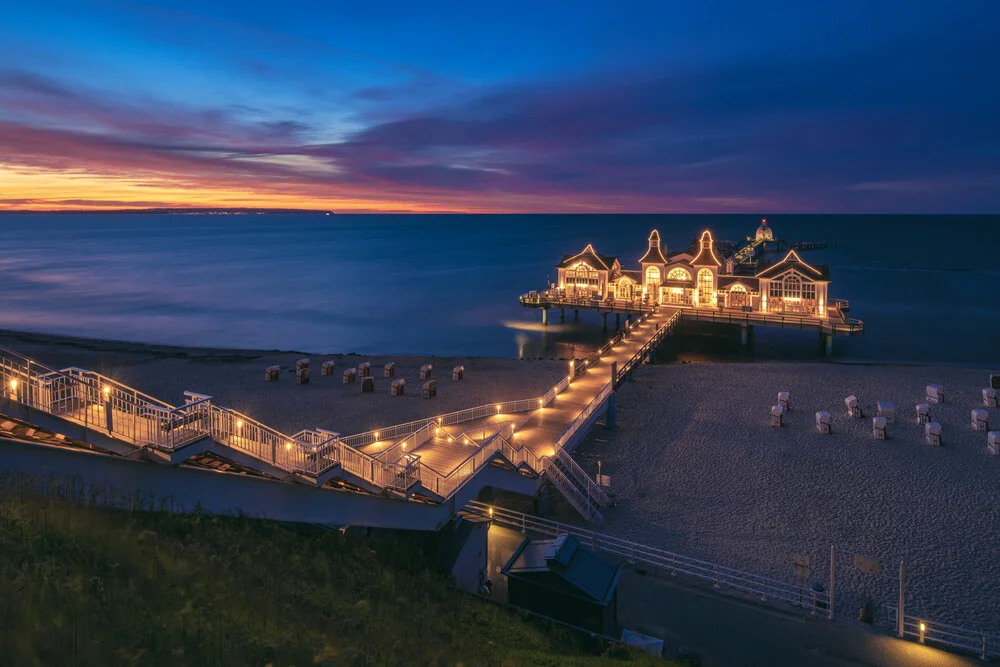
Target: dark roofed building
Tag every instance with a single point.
(563, 580)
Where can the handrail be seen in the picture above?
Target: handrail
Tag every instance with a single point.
(673, 563)
(571, 492)
(983, 644)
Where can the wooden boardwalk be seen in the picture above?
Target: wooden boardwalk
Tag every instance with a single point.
(539, 429)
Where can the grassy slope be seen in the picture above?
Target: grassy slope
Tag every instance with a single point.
(91, 586)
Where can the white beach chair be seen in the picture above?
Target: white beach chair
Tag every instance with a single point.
(990, 398)
(923, 413)
(430, 389)
(425, 372)
(854, 407)
(368, 385)
(457, 373)
(783, 400)
(350, 375)
(271, 373)
(396, 387)
(389, 370)
(365, 369)
(993, 442)
(935, 393)
(887, 410)
(777, 416)
(823, 422)
(980, 420)
(879, 427)
(932, 431)
(326, 368)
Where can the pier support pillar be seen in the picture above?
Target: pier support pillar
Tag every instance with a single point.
(604, 323)
(562, 314)
(611, 415)
(614, 374)
(618, 321)
(744, 334)
(628, 319)
(576, 314)
(828, 344)
(545, 317)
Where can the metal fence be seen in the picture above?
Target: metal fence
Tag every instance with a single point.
(935, 633)
(721, 577)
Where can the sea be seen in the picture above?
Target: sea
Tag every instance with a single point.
(926, 287)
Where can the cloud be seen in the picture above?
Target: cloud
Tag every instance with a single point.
(852, 132)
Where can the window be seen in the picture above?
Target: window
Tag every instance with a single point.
(706, 287)
(625, 287)
(793, 288)
(776, 289)
(652, 275)
(678, 274)
(582, 275)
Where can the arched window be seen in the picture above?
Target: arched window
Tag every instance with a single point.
(582, 276)
(678, 274)
(706, 287)
(793, 287)
(625, 288)
(652, 275)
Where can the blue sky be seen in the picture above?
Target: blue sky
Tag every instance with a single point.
(715, 106)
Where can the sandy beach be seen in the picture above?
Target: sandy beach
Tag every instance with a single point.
(695, 466)
(235, 379)
(697, 469)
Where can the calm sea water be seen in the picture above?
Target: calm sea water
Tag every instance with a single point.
(448, 284)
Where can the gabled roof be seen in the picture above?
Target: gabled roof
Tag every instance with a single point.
(706, 252)
(634, 276)
(793, 261)
(590, 256)
(653, 254)
(750, 283)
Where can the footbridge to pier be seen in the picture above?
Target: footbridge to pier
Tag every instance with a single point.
(413, 475)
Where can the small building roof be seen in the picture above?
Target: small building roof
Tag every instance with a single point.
(653, 254)
(793, 261)
(706, 251)
(634, 276)
(751, 283)
(564, 566)
(590, 256)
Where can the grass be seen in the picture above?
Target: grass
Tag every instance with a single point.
(89, 585)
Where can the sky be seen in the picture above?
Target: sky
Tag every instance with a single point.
(715, 106)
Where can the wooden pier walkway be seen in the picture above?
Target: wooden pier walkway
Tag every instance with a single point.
(434, 458)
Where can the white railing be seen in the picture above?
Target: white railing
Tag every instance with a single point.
(674, 564)
(982, 644)
(571, 492)
(104, 404)
(593, 489)
(446, 485)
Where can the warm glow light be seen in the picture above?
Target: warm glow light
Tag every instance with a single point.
(13, 384)
(239, 423)
(922, 627)
(376, 435)
(539, 402)
(288, 445)
(491, 512)
(106, 390)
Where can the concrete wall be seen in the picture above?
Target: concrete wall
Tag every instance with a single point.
(223, 493)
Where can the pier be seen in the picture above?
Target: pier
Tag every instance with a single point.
(738, 289)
